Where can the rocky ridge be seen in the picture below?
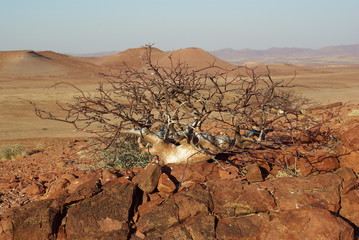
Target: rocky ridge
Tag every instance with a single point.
(206, 200)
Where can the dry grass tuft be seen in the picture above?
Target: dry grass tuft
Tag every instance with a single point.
(11, 152)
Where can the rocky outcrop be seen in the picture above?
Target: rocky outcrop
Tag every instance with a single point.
(199, 201)
(104, 216)
(37, 220)
(349, 154)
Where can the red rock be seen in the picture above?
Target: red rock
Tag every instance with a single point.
(201, 227)
(348, 186)
(349, 152)
(346, 173)
(254, 173)
(304, 168)
(5, 186)
(177, 232)
(83, 180)
(320, 191)
(61, 233)
(149, 206)
(228, 173)
(159, 219)
(103, 216)
(165, 184)
(34, 190)
(57, 189)
(107, 177)
(196, 172)
(232, 199)
(324, 162)
(147, 179)
(349, 158)
(37, 220)
(193, 203)
(83, 187)
(301, 224)
(139, 235)
(123, 180)
(350, 206)
(189, 207)
(245, 227)
(350, 138)
(46, 177)
(69, 177)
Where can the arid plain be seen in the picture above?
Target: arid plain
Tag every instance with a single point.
(28, 76)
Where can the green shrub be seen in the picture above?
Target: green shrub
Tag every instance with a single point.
(124, 154)
(10, 152)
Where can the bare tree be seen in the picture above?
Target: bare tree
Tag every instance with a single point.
(184, 115)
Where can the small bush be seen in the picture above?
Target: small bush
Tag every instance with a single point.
(123, 155)
(11, 152)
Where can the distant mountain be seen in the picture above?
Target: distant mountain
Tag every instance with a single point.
(96, 54)
(272, 54)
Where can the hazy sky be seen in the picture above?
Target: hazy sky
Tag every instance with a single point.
(88, 26)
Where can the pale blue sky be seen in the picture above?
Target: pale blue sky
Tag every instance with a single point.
(88, 26)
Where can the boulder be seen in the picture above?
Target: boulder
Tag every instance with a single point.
(319, 191)
(159, 218)
(83, 187)
(254, 173)
(34, 189)
(177, 232)
(323, 161)
(232, 199)
(103, 216)
(244, 227)
(198, 228)
(349, 158)
(350, 206)
(158, 215)
(349, 152)
(350, 138)
(201, 227)
(300, 224)
(37, 220)
(147, 179)
(193, 202)
(108, 176)
(196, 172)
(347, 174)
(57, 189)
(165, 184)
(228, 172)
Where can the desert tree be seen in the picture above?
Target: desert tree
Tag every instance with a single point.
(183, 114)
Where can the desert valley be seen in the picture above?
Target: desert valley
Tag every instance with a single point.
(52, 191)
(28, 76)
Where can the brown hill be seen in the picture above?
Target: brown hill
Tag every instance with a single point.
(29, 63)
(194, 57)
(46, 63)
(133, 58)
(136, 58)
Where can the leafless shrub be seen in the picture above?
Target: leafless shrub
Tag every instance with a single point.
(183, 114)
